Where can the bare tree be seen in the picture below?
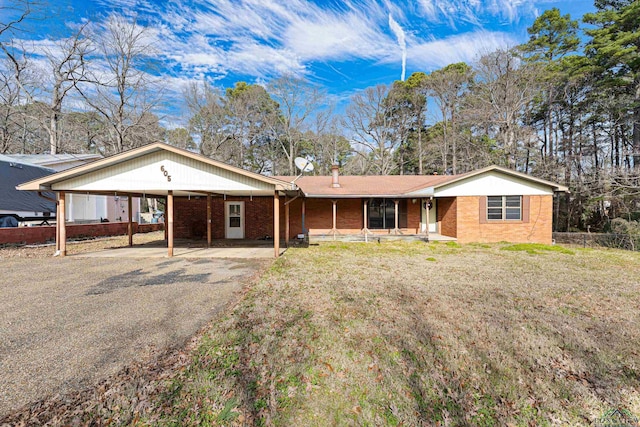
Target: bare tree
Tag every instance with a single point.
(16, 12)
(371, 128)
(207, 118)
(447, 86)
(252, 124)
(126, 92)
(10, 113)
(67, 65)
(504, 88)
(298, 102)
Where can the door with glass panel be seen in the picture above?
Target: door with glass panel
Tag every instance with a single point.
(234, 220)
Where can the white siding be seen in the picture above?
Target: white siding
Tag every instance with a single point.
(92, 208)
(145, 174)
(493, 183)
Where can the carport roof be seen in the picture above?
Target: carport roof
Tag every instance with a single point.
(129, 172)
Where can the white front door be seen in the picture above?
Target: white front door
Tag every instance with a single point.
(433, 226)
(234, 220)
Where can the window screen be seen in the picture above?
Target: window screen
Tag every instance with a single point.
(504, 207)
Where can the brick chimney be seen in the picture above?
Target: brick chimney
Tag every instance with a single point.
(335, 176)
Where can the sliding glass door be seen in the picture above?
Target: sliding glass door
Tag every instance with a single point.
(382, 214)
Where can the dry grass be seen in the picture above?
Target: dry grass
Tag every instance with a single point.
(415, 334)
(410, 334)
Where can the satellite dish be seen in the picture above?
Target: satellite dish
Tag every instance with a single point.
(303, 164)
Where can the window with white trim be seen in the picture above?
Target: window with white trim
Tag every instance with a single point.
(504, 207)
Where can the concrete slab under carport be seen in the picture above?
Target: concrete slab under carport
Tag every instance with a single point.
(243, 249)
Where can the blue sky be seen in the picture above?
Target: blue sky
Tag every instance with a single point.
(343, 46)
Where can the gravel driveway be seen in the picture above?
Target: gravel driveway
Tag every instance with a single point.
(66, 323)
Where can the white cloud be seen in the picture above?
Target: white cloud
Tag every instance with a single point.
(476, 11)
(466, 47)
(333, 38)
(261, 39)
(260, 60)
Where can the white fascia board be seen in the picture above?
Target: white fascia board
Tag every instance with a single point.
(423, 192)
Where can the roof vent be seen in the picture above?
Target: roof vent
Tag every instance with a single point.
(335, 176)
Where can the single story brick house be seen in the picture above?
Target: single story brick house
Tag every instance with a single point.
(207, 199)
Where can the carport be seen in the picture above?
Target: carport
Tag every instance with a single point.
(159, 170)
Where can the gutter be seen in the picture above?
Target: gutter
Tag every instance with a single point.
(363, 196)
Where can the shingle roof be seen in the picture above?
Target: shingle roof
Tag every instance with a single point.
(396, 185)
(378, 185)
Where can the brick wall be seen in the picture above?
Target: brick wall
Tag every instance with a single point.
(295, 217)
(350, 214)
(349, 218)
(413, 216)
(319, 215)
(458, 217)
(447, 216)
(537, 230)
(36, 235)
(190, 217)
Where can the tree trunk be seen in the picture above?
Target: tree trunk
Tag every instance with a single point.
(292, 171)
(595, 152)
(636, 127)
(616, 141)
(53, 133)
(55, 116)
(454, 162)
(420, 146)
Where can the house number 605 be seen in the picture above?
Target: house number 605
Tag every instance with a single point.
(165, 173)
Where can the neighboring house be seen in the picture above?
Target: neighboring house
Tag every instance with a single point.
(209, 199)
(21, 204)
(83, 208)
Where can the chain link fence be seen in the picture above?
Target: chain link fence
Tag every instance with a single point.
(629, 242)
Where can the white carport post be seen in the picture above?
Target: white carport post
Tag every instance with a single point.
(208, 220)
(57, 223)
(60, 221)
(130, 224)
(396, 230)
(169, 223)
(276, 224)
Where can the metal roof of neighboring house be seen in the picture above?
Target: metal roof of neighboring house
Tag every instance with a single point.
(397, 185)
(13, 173)
(58, 162)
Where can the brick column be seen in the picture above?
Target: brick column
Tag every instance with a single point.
(334, 228)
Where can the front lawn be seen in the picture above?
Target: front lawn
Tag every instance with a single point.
(406, 334)
(421, 334)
